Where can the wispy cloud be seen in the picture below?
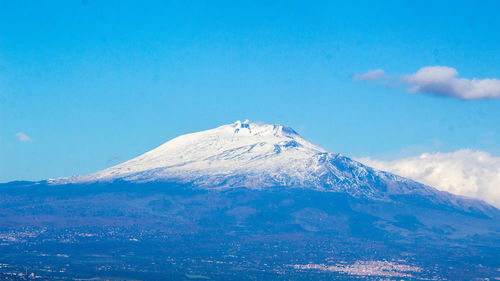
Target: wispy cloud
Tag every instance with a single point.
(464, 172)
(23, 137)
(372, 75)
(441, 81)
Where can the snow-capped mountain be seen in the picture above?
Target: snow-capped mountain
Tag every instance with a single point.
(242, 154)
(250, 191)
(255, 155)
(239, 154)
(251, 183)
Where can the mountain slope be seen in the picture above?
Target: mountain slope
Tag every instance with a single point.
(254, 155)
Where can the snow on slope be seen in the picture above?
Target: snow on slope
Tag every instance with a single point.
(246, 147)
(254, 155)
(240, 154)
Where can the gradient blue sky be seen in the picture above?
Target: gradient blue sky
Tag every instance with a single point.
(93, 83)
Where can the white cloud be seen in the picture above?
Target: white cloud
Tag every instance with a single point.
(22, 137)
(440, 81)
(377, 74)
(464, 172)
(443, 81)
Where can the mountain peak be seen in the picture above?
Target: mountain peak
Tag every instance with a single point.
(261, 129)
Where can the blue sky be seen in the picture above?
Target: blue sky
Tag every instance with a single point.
(88, 84)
